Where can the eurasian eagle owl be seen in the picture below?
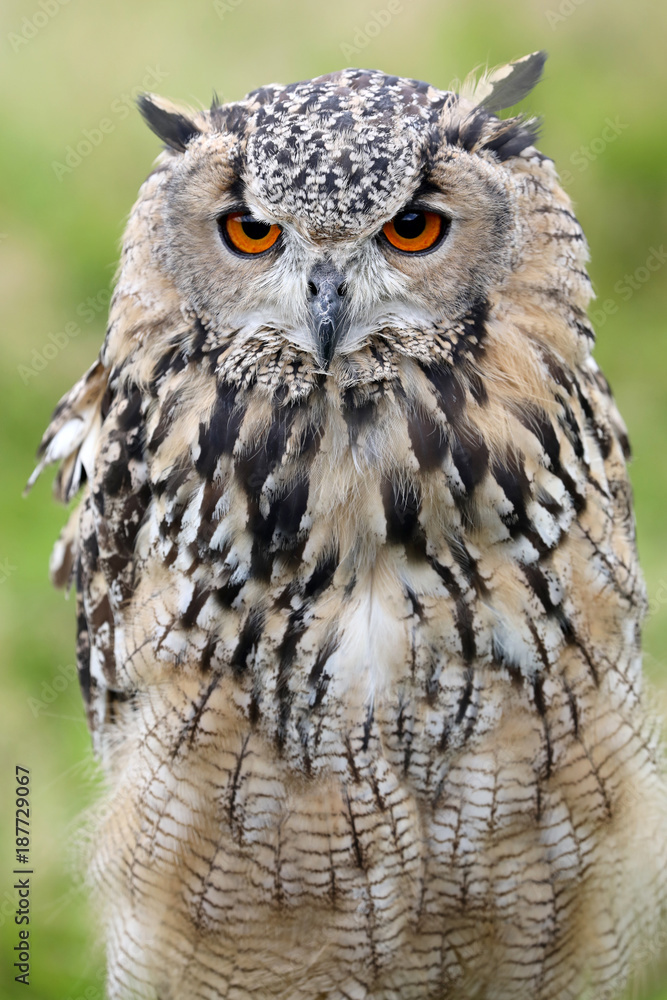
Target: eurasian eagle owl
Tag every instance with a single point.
(358, 597)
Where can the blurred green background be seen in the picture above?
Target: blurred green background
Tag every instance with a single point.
(68, 74)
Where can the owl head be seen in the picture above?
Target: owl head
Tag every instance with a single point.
(350, 208)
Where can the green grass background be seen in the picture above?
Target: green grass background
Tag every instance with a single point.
(59, 242)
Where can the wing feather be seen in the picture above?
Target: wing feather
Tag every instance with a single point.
(73, 433)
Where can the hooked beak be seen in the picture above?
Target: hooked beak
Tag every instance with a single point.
(327, 289)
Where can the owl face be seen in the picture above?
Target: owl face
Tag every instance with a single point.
(336, 210)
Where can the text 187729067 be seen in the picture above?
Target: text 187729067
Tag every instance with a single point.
(22, 883)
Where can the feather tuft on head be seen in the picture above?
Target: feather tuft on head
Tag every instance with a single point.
(167, 121)
(505, 86)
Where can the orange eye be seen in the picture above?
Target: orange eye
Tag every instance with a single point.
(415, 230)
(246, 234)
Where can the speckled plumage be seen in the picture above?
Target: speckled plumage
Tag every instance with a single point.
(360, 642)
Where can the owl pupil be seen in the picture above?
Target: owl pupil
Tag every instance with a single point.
(253, 229)
(410, 225)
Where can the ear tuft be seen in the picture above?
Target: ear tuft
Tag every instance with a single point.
(506, 86)
(167, 121)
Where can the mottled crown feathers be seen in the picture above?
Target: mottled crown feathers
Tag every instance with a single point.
(498, 89)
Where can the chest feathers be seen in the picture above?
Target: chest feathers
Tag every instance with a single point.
(308, 544)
